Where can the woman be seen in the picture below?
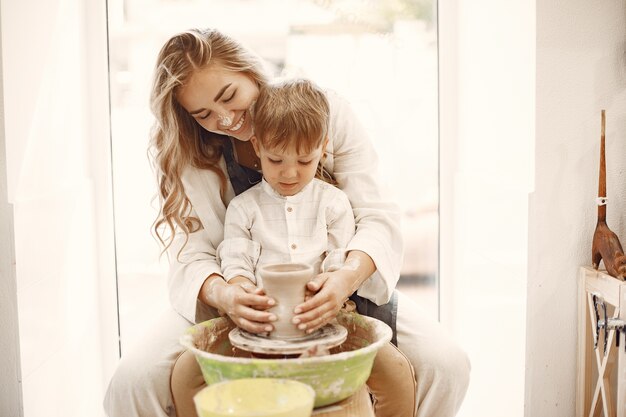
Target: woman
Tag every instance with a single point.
(205, 83)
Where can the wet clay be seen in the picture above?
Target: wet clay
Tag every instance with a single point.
(215, 339)
(285, 283)
(329, 336)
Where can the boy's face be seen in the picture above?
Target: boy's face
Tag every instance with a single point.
(288, 172)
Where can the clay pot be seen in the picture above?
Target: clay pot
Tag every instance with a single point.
(285, 283)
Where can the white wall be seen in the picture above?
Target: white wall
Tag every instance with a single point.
(581, 69)
(487, 81)
(58, 166)
(490, 122)
(10, 389)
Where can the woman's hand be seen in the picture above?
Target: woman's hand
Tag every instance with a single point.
(242, 301)
(328, 291)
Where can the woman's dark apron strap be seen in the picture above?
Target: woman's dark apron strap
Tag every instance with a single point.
(240, 177)
(386, 313)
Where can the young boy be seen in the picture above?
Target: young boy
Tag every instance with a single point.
(290, 216)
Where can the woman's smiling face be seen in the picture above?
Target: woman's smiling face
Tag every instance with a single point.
(220, 101)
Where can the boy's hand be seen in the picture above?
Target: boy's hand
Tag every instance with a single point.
(245, 304)
(328, 291)
(247, 285)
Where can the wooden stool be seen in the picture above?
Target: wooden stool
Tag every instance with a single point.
(596, 290)
(357, 405)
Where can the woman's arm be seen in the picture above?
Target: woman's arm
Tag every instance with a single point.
(195, 275)
(188, 270)
(354, 164)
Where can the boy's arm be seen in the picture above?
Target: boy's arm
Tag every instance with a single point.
(238, 254)
(341, 228)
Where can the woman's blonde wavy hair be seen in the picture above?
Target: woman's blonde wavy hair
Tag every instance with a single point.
(178, 141)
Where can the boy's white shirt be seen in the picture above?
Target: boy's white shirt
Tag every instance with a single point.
(352, 161)
(262, 227)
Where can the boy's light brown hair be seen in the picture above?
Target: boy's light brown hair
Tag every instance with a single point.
(291, 113)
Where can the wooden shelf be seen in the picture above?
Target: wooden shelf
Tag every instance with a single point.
(600, 391)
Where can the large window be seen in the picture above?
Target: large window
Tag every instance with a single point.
(380, 55)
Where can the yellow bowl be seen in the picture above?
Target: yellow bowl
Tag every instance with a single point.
(255, 397)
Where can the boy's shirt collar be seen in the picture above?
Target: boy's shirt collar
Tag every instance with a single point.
(296, 198)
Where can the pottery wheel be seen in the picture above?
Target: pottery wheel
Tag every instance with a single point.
(329, 336)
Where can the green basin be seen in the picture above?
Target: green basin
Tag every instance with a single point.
(334, 377)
